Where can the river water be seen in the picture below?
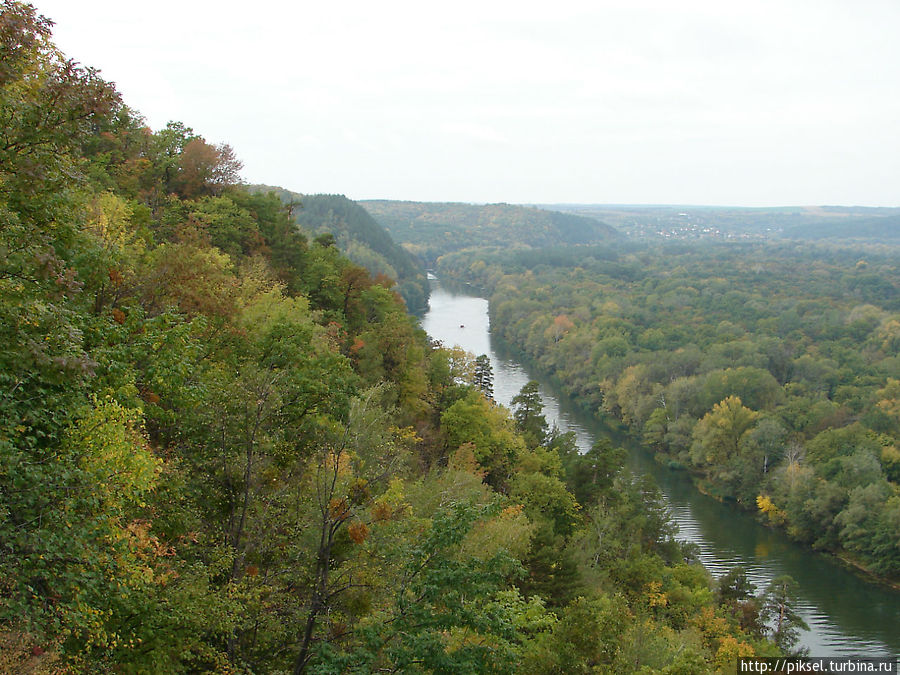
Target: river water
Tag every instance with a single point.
(847, 615)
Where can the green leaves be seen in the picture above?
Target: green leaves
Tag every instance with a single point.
(447, 614)
(66, 526)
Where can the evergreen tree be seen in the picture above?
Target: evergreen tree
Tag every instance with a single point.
(528, 411)
(779, 610)
(484, 375)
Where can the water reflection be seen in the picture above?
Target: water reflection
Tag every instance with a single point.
(846, 614)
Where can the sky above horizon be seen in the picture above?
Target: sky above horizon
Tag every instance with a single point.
(769, 103)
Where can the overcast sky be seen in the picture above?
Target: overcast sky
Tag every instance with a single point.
(762, 102)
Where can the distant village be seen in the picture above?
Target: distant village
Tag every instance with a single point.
(691, 226)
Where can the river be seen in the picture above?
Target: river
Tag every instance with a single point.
(847, 615)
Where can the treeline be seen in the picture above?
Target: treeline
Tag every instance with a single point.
(772, 372)
(224, 448)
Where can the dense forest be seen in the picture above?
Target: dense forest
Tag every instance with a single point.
(227, 448)
(360, 238)
(429, 229)
(771, 372)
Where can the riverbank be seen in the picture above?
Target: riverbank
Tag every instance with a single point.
(621, 434)
(847, 614)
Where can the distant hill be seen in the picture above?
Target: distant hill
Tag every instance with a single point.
(857, 223)
(874, 229)
(431, 229)
(360, 238)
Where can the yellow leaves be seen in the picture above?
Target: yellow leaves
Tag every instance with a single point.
(888, 335)
(339, 462)
(21, 652)
(776, 516)
(192, 278)
(406, 435)
(109, 447)
(655, 596)
(730, 650)
(890, 399)
(711, 626)
(109, 218)
(392, 503)
(717, 435)
(610, 308)
(264, 304)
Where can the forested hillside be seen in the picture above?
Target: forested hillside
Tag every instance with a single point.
(360, 238)
(225, 448)
(429, 230)
(770, 372)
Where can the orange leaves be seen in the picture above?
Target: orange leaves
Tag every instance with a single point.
(712, 627)
(357, 345)
(358, 531)
(149, 396)
(562, 324)
(511, 511)
(146, 544)
(464, 459)
(206, 169)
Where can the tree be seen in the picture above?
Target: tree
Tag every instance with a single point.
(528, 412)
(717, 436)
(206, 169)
(347, 468)
(778, 609)
(592, 474)
(484, 375)
(735, 592)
